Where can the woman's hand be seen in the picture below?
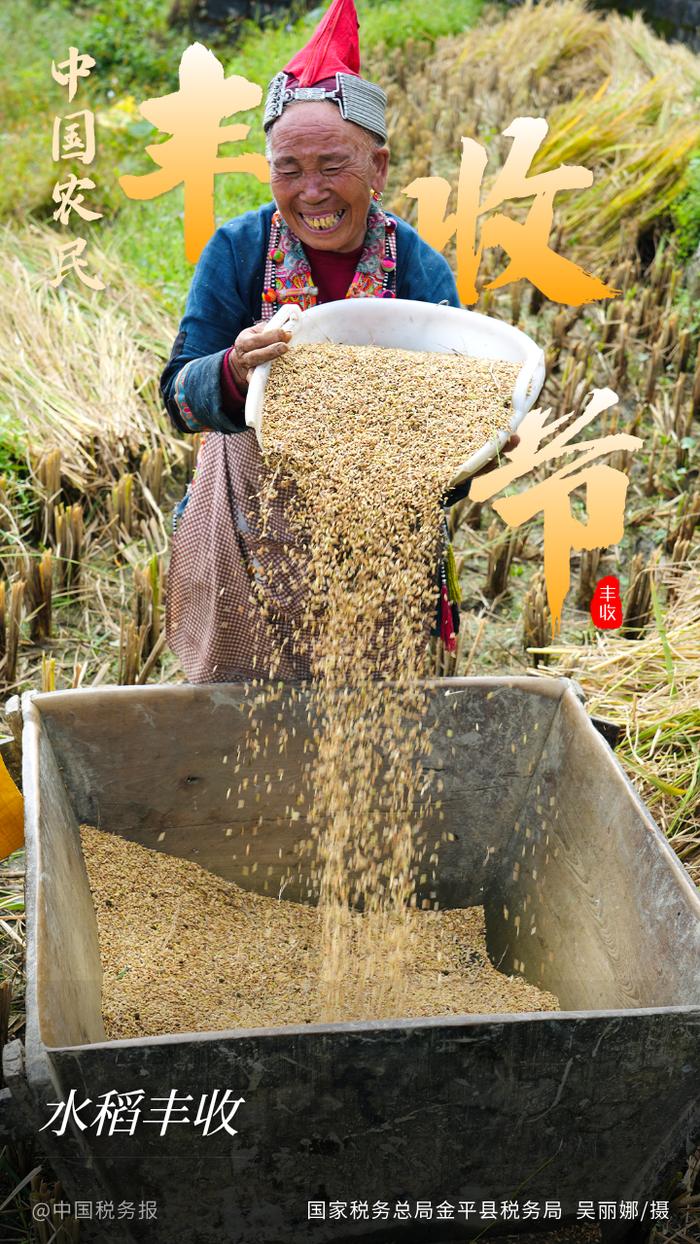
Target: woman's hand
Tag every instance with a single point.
(254, 346)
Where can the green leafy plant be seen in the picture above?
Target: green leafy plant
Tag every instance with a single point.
(133, 45)
(685, 211)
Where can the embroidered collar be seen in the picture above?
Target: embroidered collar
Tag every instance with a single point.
(288, 274)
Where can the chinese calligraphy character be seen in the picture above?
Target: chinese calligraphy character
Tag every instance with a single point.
(467, 1208)
(69, 260)
(70, 1111)
(606, 489)
(193, 116)
(531, 1209)
(116, 1108)
(74, 137)
(526, 243)
(170, 1110)
(607, 1210)
(380, 1210)
(207, 1114)
(64, 194)
(77, 66)
(359, 1209)
(445, 1210)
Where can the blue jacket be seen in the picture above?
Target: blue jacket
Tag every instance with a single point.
(226, 295)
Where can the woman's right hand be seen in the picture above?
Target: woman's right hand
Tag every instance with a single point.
(254, 346)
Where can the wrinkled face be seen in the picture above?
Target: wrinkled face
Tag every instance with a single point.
(322, 172)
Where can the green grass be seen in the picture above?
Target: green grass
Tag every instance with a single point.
(131, 43)
(685, 211)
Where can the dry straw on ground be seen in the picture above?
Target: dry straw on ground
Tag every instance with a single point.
(185, 951)
(82, 373)
(650, 687)
(82, 419)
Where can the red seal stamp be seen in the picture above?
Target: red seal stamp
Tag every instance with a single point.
(606, 605)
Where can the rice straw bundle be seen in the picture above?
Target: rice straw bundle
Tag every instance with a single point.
(619, 100)
(80, 374)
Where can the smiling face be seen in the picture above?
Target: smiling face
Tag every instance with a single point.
(322, 173)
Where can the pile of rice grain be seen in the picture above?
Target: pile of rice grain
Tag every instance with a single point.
(185, 951)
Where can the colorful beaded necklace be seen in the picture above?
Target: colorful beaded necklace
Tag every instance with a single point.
(288, 277)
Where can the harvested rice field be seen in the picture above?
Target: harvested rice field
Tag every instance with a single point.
(185, 951)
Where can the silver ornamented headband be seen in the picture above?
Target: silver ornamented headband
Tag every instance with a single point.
(359, 101)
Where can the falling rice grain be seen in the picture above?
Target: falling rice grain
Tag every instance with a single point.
(369, 440)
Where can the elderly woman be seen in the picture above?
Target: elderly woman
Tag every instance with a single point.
(235, 593)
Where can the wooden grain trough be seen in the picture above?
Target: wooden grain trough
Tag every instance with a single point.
(582, 894)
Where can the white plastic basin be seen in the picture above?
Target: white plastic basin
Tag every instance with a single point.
(408, 325)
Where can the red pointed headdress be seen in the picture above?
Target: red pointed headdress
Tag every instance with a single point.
(328, 67)
(334, 47)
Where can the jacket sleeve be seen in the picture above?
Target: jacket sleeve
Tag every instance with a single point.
(422, 273)
(215, 312)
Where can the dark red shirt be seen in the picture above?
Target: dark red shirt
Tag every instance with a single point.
(332, 274)
(332, 271)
